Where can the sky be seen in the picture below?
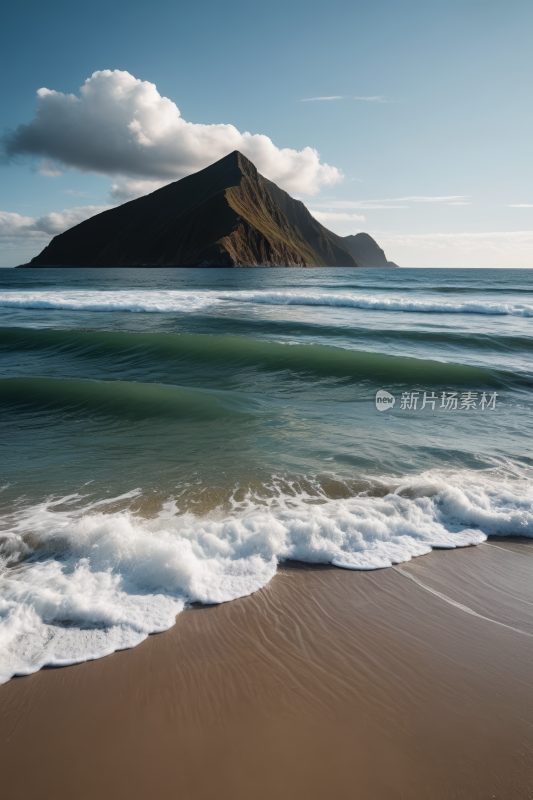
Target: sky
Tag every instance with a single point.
(409, 120)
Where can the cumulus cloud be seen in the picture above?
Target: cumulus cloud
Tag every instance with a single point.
(129, 188)
(15, 227)
(122, 127)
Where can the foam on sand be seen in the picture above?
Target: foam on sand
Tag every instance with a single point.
(79, 583)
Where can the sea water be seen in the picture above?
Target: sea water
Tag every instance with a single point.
(170, 436)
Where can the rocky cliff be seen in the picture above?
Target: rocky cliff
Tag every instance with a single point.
(366, 251)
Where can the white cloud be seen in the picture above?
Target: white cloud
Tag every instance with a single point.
(48, 169)
(129, 188)
(332, 216)
(312, 99)
(521, 205)
(352, 204)
(57, 222)
(498, 249)
(375, 98)
(418, 199)
(14, 227)
(122, 127)
(379, 203)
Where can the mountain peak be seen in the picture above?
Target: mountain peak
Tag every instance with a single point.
(225, 215)
(234, 160)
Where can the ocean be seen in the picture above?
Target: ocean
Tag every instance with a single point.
(170, 436)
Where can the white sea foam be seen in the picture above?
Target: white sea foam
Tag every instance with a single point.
(181, 301)
(122, 300)
(394, 303)
(83, 583)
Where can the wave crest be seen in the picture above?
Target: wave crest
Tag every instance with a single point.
(84, 583)
(173, 301)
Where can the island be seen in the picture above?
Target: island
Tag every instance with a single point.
(226, 215)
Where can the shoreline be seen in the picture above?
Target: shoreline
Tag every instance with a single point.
(327, 682)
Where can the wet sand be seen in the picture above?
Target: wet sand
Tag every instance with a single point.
(326, 684)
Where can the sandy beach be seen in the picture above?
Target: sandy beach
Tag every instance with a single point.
(327, 683)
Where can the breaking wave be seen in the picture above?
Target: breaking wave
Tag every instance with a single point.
(384, 303)
(81, 580)
(183, 301)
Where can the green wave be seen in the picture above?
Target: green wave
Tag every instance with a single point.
(126, 399)
(174, 354)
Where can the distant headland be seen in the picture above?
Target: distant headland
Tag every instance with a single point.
(227, 215)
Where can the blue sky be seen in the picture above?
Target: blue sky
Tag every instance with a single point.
(436, 164)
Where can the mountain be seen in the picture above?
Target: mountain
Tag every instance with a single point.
(227, 215)
(367, 251)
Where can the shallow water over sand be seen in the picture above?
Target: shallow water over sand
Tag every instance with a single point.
(172, 436)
